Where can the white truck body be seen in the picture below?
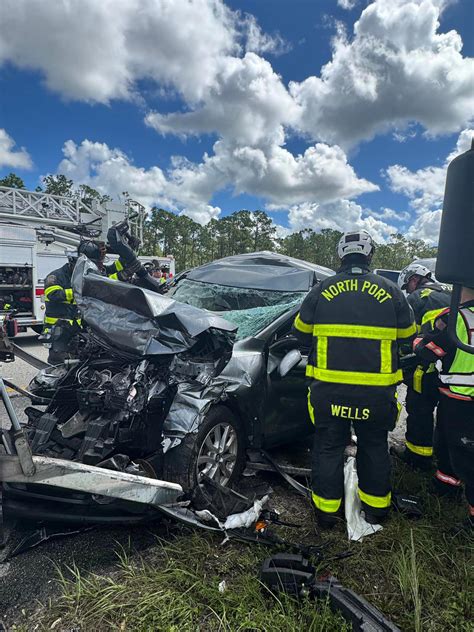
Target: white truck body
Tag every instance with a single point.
(22, 253)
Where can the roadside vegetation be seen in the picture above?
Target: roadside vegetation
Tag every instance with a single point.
(166, 233)
(413, 571)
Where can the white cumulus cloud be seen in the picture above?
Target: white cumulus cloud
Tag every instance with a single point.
(247, 104)
(320, 174)
(424, 189)
(341, 215)
(347, 4)
(97, 51)
(426, 227)
(258, 41)
(111, 172)
(11, 156)
(397, 68)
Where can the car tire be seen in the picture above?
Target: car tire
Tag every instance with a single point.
(205, 451)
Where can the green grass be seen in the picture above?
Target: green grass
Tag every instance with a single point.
(418, 576)
(177, 588)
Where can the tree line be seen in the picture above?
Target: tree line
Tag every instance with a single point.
(191, 244)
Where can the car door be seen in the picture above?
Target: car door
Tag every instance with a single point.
(286, 417)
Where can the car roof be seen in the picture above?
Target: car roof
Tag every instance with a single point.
(262, 270)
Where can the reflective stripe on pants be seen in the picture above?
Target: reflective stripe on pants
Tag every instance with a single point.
(325, 504)
(376, 502)
(420, 450)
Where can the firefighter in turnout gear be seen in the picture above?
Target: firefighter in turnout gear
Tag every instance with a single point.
(456, 387)
(127, 268)
(96, 251)
(427, 299)
(353, 322)
(62, 319)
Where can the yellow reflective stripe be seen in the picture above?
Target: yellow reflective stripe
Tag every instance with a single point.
(50, 289)
(378, 502)
(431, 316)
(49, 320)
(356, 331)
(399, 410)
(322, 352)
(418, 379)
(310, 407)
(407, 332)
(426, 292)
(69, 294)
(385, 356)
(419, 449)
(302, 326)
(113, 276)
(325, 504)
(354, 377)
(118, 266)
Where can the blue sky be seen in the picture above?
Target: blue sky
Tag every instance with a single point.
(379, 123)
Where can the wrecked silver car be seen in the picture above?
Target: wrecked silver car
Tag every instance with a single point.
(174, 387)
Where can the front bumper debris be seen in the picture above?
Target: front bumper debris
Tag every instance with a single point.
(88, 478)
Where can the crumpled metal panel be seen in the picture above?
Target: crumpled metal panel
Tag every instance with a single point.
(245, 370)
(261, 270)
(136, 320)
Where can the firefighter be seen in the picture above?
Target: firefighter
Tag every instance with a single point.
(354, 323)
(456, 387)
(62, 320)
(127, 268)
(427, 299)
(165, 273)
(96, 251)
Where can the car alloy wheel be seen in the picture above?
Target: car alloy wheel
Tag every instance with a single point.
(218, 453)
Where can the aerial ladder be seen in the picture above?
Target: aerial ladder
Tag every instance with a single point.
(65, 219)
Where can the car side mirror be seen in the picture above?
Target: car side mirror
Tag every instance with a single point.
(289, 361)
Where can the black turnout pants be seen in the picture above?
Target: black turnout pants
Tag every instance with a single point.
(373, 463)
(456, 425)
(420, 416)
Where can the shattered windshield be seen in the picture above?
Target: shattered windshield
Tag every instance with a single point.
(251, 310)
(223, 298)
(251, 321)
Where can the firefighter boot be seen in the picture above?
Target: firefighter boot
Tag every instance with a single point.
(415, 461)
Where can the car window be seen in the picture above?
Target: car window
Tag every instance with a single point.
(223, 298)
(252, 321)
(392, 275)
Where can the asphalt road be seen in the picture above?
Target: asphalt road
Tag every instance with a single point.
(30, 577)
(19, 371)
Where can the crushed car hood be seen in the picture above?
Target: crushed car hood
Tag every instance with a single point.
(261, 271)
(136, 320)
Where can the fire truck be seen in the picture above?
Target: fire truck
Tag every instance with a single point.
(36, 231)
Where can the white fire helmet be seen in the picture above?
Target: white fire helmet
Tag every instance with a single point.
(355, 243)
(410, 271)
